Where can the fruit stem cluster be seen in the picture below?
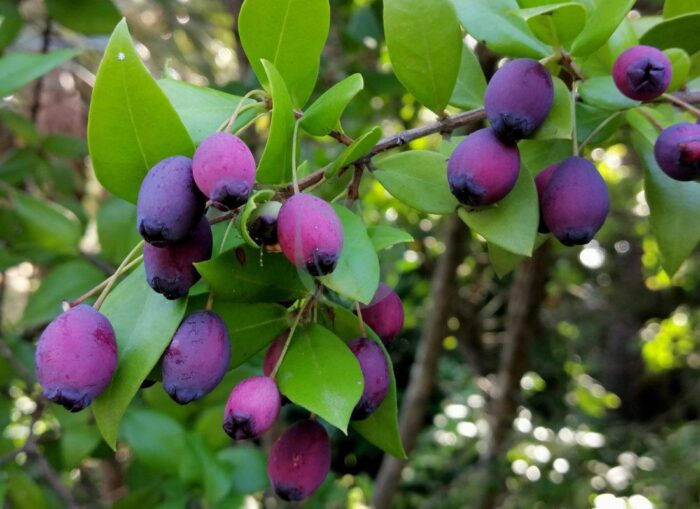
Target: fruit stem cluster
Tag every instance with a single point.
(117, 273)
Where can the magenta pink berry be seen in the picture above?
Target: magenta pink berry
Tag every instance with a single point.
(541, 181)
(384, 314)
(677, 150)
(273, 353)
(642, 73)
(252, 408)
(375, 372)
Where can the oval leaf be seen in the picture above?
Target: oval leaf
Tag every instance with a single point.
(555, 24)
(678, 32)
(471, 83)
(324, 115)
(384, 237)
(601, 24)
(359, 148)
(602, 92)
(18, 69)
(559, 122)
(47, 224)
(89, 17)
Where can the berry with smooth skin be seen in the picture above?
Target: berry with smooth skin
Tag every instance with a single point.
(518, 99)
(169, 203)
(76, 357)
(197, 358)
(252, 408)
(224, 170)
(642, 73)
(299, 461)
(273, 353)
(384, 314)
(575, 202)
(375, 372)
(310, 234)
(170, 270)
(541, 181)
(262, 225)
(483, 170)
(677, 150)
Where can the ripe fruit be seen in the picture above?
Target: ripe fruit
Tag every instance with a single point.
(273, 353)
(384, 314)
(224, 169)
(262, 225)
(518, 99)
(169, 270)
(482, 169)
(541, 181)
(299, 461)
(642, 73)
(375, 372)
(575, 202)
(677, 150)
(169, 203)
(197, 358)
(76, 357)
(252, 408)
(310, 234)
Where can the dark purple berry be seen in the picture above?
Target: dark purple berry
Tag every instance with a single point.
(273, 353)
(169, 270)
(76, 357)
(252, 408)
(310, 234)
(384, 314)
(677, 150)
(197, 358)
(642, 73)
(518, 99)
(482, 169)
(575, 202)
(262, 225)
(375, 372)
(541, 181)
(299, 461)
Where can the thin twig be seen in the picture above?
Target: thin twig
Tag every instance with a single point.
(360, 321)
(117, 273)
(651, 119)
(598, 129)
(297, 319)
(90, 293)
(354, 187)
(38, 88)
(683, 104)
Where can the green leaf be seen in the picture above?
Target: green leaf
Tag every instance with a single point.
(555, 24)
(589, 118)
(131, 125)
(65, 145)
(116, 228)
(361, 146)
(247, 275)
(324, 114)
(89, 17)
(471, 83)
(512, 222)
(494, 23)
(24, 492)
(679, 32)
(18, 69)
(321, 374)
(156, 440)
(536, 155)
(213, 475)
(424, 40)
(247, 467)
(602, 92)
(79, 437)
(290, 34)
(601, 23)
(680, 65)
(258, 197)
(47, 224)
(419, 179)
(357, 274)
(144, 323)
(504, 262)
(673, 8)
(11, 23)
(275, 165)
(203, 110)
(559, 122)
(384, 237)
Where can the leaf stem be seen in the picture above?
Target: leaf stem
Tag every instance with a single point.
(651, 119)
(680, 102)
(360, 320)
(295, 135)
(574, 128)
(240, 107)
(115, 276)
(297, 319)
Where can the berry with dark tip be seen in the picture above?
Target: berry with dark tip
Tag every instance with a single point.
(384, 314)
(518, 99)
(252, 408)
(197, 358)
(169, 203)
(224, 170)
(299, 461)
(483, 170)
(170, 270)
(642, 73)
(375, 372)
(310, 234)
(76, 357)
(262, 225)
(541, 181)
(575, 202)
(677, 150)
(273, 353)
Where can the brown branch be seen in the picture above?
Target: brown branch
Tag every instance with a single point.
(51, 475)
(45, 45)
(354, 187)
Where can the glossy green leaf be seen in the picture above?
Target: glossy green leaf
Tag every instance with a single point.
(132, 125)
(512, 222)
(471, 83)
(324, 114)
(673, 8)
(494, 23)
(602, 93)
(156, 440)
(144, 323)
(258, 197)
(213, 475)
(536, 155)
(79, 436)
(321, 374)
(48, 224)
(384, 237)
(290, 34)
(559, 122)
(89, 17)
(419, 179)
(555, 24)
(680, 65)
(360, 147)
(247, 467)
(601, 23)
(18, 69)
(589, 118)
(504, 262)
(116, 228)
(680, 32)
(11, 22)
(424, 40)
(65, 145)
(357, 274)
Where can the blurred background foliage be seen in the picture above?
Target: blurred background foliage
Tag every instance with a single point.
(609, 411)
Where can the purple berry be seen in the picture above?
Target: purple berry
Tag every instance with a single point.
(677, 150)
(541, 181)
(375, 372)
(575, 202)
(642, 73)
(310, 234)
(169, 203)
(252, 408)
(262, 225)
(384, 314)
(482, 169)
(518, 99)
(197, 358)
(169, 270)
(299, 461)
(273, 353)
(224, 169)
(76, 357)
